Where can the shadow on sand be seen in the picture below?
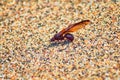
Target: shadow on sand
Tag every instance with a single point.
(53, 44)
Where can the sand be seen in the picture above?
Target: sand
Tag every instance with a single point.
(26, 28)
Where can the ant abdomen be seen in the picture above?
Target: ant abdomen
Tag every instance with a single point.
(69, 36)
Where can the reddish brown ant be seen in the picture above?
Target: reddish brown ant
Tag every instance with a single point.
(65, 33)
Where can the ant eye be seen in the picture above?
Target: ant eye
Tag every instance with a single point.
(69, 37)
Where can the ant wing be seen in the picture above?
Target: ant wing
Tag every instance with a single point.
(62, 31)
(76, 26)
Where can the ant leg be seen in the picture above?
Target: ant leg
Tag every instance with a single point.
(69, 36)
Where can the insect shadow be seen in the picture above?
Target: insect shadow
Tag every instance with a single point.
(53, 44)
